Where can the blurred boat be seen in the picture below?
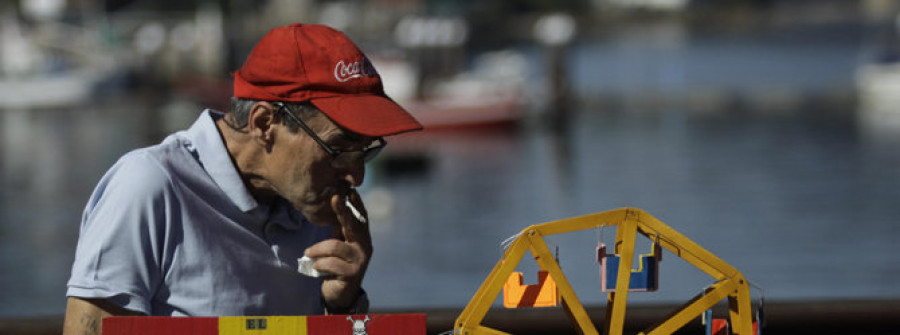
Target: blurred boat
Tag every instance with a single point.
(490, 94)
(458, 113)
(47, 91)
(878, 85)
(54, 65)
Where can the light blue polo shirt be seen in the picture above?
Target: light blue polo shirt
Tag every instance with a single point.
(172, 230)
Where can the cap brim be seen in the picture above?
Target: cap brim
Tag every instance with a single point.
(369, 115)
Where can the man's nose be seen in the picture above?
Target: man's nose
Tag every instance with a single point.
(353, 172)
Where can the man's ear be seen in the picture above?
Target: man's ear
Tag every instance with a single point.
(261, 120)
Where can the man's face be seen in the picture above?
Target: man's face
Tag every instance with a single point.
(302, 172)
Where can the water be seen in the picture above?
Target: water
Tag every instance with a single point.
(804, 203)
(807, 211)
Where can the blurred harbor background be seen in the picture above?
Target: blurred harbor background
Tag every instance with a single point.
(766, 131)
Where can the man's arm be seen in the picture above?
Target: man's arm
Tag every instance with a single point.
(84, 316)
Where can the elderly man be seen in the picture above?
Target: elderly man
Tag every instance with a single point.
(212, 221)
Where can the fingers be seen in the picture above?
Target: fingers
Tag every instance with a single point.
(346, 256)
(335, 258)
(333, 248)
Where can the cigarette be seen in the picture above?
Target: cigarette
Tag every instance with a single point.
(355, 211)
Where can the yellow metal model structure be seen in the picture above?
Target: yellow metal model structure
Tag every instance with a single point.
(730, 283)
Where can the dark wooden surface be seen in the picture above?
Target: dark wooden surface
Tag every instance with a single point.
(859, 317)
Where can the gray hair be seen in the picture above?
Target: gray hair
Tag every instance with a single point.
(240, 113)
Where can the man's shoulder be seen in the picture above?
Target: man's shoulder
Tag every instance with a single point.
(152, 165)
(139, 171)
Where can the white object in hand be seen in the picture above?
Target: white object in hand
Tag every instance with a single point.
(305, 265)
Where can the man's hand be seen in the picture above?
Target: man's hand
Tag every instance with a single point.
(346, 256)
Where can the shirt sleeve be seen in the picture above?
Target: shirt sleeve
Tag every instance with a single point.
(120, 252)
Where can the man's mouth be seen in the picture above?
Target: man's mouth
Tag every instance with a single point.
(329, 191)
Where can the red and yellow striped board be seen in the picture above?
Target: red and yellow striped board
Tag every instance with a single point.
(369, 324)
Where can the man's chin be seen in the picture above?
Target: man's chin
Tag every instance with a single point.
(323, 217)
(317, 210)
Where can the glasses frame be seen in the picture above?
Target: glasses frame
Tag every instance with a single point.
(368, 153)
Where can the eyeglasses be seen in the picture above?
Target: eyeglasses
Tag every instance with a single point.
(367, 154)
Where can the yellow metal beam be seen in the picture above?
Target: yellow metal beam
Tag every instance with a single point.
(739, 309)
(574, 309)
(584, 222)
(478, 330)
(694, 308)
(617, 301)
(629, 221)
(481, 302)
(682, 246)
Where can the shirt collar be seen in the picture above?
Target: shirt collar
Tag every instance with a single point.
(213, 155)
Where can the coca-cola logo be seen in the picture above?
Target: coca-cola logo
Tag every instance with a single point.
(344, 71)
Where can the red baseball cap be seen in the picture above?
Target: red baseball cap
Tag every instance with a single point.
(315, 63)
